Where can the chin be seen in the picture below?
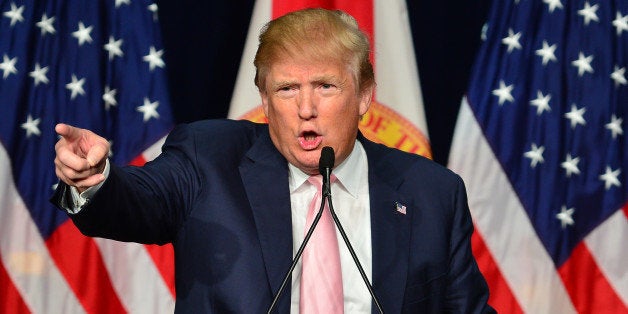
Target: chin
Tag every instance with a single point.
(309, 166)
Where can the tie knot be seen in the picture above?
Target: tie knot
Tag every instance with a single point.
(317, 180)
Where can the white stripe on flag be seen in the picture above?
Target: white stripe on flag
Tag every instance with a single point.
(396, 71)
(608, 248)
(154, 150)
(245, 95)
(501, 220)
(135, 278)
(25, 255)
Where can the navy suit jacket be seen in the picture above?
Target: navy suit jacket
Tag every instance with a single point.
(219, 192)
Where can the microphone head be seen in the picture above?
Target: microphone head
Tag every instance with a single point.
(327, 159)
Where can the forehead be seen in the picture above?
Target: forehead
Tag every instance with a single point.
(295, 69)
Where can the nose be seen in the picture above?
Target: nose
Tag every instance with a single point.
(307, 105)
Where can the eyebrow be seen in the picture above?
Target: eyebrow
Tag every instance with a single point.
(325, 78)
(275, 85)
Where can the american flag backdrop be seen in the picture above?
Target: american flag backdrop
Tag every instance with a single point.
(541, 143)
(97, 65)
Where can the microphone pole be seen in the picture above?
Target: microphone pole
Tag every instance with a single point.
(326, 172)
(326, 161)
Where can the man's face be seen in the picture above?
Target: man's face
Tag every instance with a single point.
(310, 105)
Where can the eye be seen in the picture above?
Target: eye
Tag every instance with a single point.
(284, 88)
(328, 89)
(286, 91)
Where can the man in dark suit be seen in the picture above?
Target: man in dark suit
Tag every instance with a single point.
(231, 195)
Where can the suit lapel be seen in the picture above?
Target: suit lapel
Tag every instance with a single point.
(390, 228)
(265, 176)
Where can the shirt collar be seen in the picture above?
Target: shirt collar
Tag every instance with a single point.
(348, 172)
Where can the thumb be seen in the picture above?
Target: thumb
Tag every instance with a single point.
(97, 154)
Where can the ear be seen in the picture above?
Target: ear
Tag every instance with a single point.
(366, 96)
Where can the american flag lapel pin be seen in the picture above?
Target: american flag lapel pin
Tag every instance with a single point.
(400, 208)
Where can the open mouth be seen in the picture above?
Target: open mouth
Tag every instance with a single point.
(310, 140)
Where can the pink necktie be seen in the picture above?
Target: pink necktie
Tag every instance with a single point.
(321, 278)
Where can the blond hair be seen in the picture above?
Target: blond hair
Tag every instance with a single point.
(315, 34)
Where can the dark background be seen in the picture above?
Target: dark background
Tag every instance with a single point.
(204, 41)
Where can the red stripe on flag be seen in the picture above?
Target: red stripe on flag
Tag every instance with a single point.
(589, 290)
(10, 299)
(626, 210)
(280, 8)
(163, 257)
(138, 161)
(362, 11)
(501, 297)
(80, 262)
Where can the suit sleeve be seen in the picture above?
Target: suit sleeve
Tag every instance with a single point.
(145, 204)
(467, 290)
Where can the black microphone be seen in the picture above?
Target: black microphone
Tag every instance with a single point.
(325, 164)
(324, 167)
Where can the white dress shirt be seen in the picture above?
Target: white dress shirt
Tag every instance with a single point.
(350, 198)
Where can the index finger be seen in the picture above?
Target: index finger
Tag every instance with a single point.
(67, 131)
